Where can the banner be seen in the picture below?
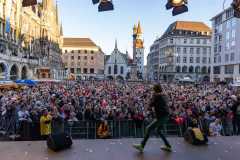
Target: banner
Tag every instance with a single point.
(8, 15)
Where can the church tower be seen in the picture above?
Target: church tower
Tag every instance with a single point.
(138, 48)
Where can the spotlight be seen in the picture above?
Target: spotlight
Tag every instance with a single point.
(236, 7)
(27, 3)
(179, 6)
(105, 5)
(95, 1)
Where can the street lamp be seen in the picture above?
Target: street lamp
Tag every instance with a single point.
(179, 6)
(27, 3)
(104, 5)
(236, 7)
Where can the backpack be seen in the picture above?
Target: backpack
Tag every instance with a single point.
(195, 136)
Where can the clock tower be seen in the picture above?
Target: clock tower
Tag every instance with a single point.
(138, 48)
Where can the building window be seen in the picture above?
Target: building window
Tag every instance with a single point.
(79, 51)
(191, 41)
(85, 70)
(92, 52)
(72, 51)
(220, 38)
(72, 70)
(204, 41)
(228, 36)
(78, 70)
(65, 51)
(184, 59)
(233, 34)
(227, 46)
(198, 41)
(216, 70)
(92, 58)
(215, 48)
(115, 69)
(215, 60)
(178, 59)
(72, 57)
(109, 70)
(228, 24)
(219, 59)
(85, 57)
(191, 50)
(92, 70)
(122, 70)
(178, 50)
(219, 48)
(198, 50)
(226, 58)
(204, 60)
(232, 57)
(198, 60)
(229, 69)
(85, 51)
(185, 41)
(191, 59)
(185, 50)
(79, 57)
(171, 40)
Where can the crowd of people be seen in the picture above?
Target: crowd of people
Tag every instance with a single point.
(213, 107)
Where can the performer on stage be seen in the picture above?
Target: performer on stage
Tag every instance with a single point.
(159, 103)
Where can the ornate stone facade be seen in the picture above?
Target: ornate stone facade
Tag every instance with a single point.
(30, 41)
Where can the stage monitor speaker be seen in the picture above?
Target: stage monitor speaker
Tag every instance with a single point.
(58, 142)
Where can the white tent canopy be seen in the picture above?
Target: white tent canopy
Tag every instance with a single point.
(186, 79)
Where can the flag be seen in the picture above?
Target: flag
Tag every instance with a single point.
(8, 15)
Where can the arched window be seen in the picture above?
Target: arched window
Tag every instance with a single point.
(122, 70)
(115, 69)
(109, 70)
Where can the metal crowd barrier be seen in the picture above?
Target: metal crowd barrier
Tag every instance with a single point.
(117, 129)
(88, 129)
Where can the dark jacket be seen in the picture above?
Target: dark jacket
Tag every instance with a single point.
(235, 108)
(159, 102)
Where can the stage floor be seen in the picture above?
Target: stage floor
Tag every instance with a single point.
(221, 148)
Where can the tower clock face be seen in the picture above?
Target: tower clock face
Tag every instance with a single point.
(139, 43)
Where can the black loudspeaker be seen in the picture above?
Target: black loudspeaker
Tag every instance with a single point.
(58, 142)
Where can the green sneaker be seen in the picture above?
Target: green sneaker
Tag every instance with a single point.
(139, 147)
(166, 148)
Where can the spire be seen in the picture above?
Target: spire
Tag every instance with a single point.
(61, 30)
(134, 29)
(57, 12)
(116, 47)
(139, 29)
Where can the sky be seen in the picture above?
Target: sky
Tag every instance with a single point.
(80, 18)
